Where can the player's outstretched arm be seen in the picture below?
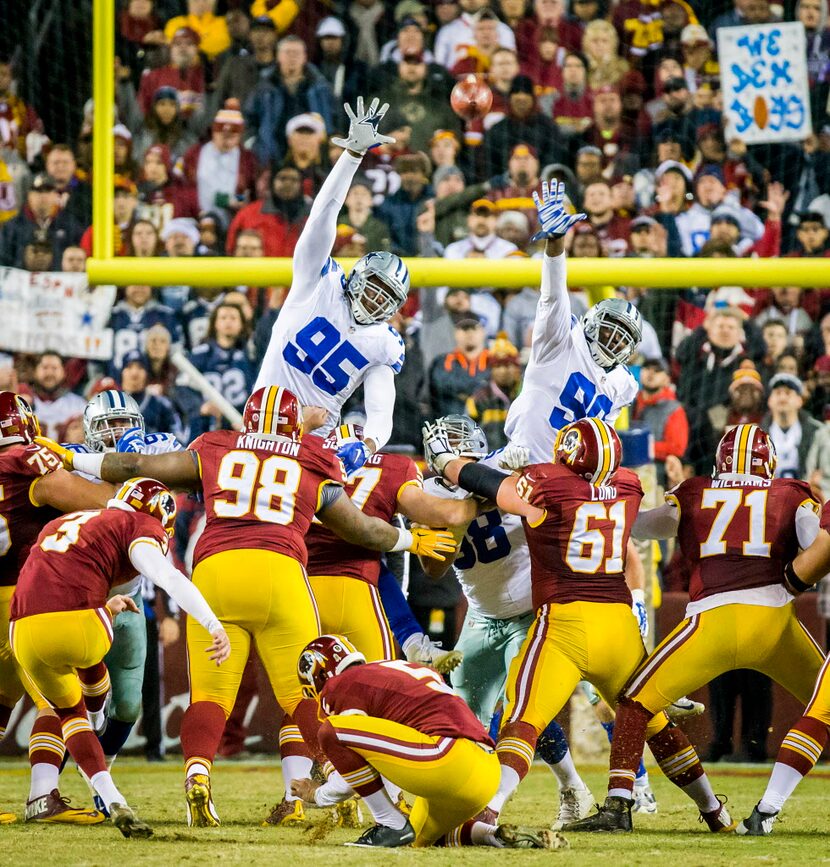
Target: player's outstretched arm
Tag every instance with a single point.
(67, 492)
(317, 238)
(430, 511)
(810, 566)
(149, 560)
(344, 518)
(659, 523)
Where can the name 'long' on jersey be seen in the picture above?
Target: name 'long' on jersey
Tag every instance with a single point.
(493, 562)
(562, 382)
(318, 351)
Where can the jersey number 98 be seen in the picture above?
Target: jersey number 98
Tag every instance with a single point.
(319, 353)
(265, 490)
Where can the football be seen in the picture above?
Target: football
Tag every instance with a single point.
(471, 98)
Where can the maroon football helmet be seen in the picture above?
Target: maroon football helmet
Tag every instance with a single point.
(325, 657)
(18, 422)
(152, 498)
(273, 411)
(346, 433)
(591, 448)
(746, 449)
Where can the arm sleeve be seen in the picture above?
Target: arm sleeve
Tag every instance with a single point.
(553, 312)
(659, 523)
(379, 403)
(146, 556)
(314, 245)
(806, 526)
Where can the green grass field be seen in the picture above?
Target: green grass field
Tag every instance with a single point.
(243, 792)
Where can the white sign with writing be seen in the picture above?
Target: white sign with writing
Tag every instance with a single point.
(763, 75)
(56, 311)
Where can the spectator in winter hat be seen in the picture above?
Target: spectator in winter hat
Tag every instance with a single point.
(460, 32)
(164, 124)
(306, 136)
(699, 62)
(241, 73)
(347, 75)
(792, 429)
(812, 235)
(180, 237)
(125, 164)
(185, 73)
(410, 39)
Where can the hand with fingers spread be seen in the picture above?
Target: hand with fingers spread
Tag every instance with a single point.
(363, 128)
(220, 648)
(554, 221)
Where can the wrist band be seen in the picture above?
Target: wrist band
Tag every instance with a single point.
(88, 463)
(793, 580)
(404, 542)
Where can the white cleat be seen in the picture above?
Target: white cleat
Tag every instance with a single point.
(684, 708)
(574, 804)
(427, 652)
(644, 800)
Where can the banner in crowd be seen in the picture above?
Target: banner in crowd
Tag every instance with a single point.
(55, 310)
(763, 75)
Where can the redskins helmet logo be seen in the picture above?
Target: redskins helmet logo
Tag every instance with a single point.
(571, 442)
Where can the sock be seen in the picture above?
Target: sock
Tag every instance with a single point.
(508, 784)
(800, 750)
(552, 745)
(641, 777)
(401, 620)
(609, 730)
(700, 791)
(114, 736)
(46, 751)
(383, 811)
(202, 726)
(680, 763)
(627, 746)
(566, 773)
(104, 785)
(81, 741)
(197, 766)
(394, 791)
(482, 834)
(295, 760)
(95, 684)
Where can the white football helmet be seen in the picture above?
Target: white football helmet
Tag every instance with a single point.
(466, 438)
(613, 328)
(377, 287)
(107, 417)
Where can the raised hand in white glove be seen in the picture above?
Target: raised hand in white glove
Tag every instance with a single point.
(514, 457)
(363, 127)
(554, 221)
(437, 450)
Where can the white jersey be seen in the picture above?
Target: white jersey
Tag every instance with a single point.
(154, 444)
(316, 349)
(493, 562)
(562, 382)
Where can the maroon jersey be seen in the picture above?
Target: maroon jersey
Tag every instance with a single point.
(20, 517)
(374, 490)
(406, 693)
(577, 550)
(824, 521)
(737, 534)
(261, 493)
(79, 558)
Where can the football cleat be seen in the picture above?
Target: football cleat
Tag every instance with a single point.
(514, 837)
(758, 824)
(613, 816)
(125, 819)
(201, 813)
(719, 821)
(574, 804)
(347, 814)
(55, 809)
(384, 837)
(644, 800)
(684, 708)
(427, 652)
(7, 818)
(286, 813)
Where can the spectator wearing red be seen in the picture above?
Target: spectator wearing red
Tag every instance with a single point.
(726, 226)
(612, 229)
(222, 171)
(546, 13)
(504, 67)
(621, 146)
(812, 236)
(633, 89)
(573, 108)
(279, 218)
(162, 197)
(124, 203)
(544, 66)
(17, 118)
(658, 409)
(522, 180)
(125, 164)
(185, 73)
(639, 24)
(305, 135)
(474, 57)
(139, 32)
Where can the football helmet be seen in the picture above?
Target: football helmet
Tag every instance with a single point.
(107, 417)
(377, 287)
(324, 658)
(466, 438)
(746, 449)
(613, 328)
(273, 411)
(152, 498)
(18, 422)
(591, 448)
(346, 433)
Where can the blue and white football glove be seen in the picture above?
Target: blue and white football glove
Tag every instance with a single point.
(363, 127)
(132, 441)
(638, 609)
(437, 450)
(554, 222)
(353, 456)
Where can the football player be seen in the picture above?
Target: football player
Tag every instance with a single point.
(577, 513)
(262, 487)
(32, 487)
(344, 578)
(333, 331)
(113, 422)
(737, 529)
(401, 721)
(62, 615)
(493, 567)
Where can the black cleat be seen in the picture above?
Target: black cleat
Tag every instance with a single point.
(757, 825)
(384, 837)
(613, 816)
